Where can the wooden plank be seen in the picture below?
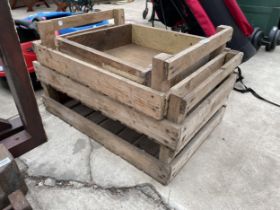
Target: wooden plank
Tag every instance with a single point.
(165, 154)
(83, 110)
(130, 135)
(190, 91)
(191, 55)
(113, 126)
(47, 28)
(83, 32)
(135, 54)
(163, 131)
(137, 96)
(118, 15)
(49, 91)
(159, 71)
(106, 38)
(197, 119)
(18, 201)
(108, 62)
(115, 144)
(20, 86)
(196, 78)
(164, 84)
(162, 40)
(97, 117)
(11, 178)
(148, 145)
(189, 150)
(70, 104)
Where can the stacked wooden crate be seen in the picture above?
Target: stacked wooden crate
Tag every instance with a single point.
(149, 95)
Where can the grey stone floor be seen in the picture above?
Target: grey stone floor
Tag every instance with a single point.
(238, 167)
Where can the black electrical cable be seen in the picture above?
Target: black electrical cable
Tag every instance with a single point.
(250, 90)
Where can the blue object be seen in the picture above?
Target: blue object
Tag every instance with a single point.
(53, 15)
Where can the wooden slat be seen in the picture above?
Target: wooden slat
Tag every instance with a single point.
(165, 41)
(148, 145)
(108, 62)
(130, 135)
(84, 32)
(115, 144)
(164, 84)
(163, 131)
(159, 72)
(97, 117)
(112, 126)
(106, 38)
(136, 54)
(197, 119)
(188, 57)
(118, 15)
(183, 157)
(137, 96)
(82, 110)
(18, 201)
(48, 27)
(165, 154)
(190, 91)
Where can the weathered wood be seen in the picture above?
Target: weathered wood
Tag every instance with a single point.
(131, 150)
(47, 28)
(141, 98)
(182, 158)
(165, 154)
(18, 201)
(159, 71)
(11, 178)
(163, 131)
(166, 84)
(132, 154)
(105, 38)
(118, 15)
(167, 71)
(84, 32)
(162, 40)
(191, 55)
(189, 92)
(205, 110)
(20, 87)
(135, 54)
(128, 70)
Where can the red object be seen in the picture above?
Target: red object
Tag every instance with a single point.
(29, 57)
(239, 17)
(2, 73)
(201, 17)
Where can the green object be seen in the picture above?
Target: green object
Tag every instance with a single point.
(262, 13)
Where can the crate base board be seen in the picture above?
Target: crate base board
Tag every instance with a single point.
(135, 153)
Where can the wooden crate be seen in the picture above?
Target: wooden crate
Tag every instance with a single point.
(167, 86)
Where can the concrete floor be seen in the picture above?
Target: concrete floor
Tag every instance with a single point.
(238, 167)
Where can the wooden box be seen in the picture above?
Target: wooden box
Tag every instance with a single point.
(159, 93)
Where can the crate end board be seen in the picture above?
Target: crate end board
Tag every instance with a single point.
(47, 28)
(189, 92)
(189, 56)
